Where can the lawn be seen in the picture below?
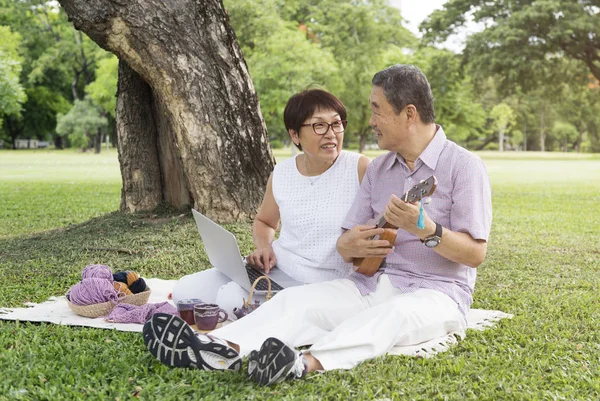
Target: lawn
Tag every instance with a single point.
(58, 210)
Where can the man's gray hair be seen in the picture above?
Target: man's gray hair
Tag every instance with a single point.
(405, 84)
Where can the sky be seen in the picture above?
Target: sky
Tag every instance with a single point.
(415, 11)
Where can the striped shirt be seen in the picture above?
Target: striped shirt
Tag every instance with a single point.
(461, 202)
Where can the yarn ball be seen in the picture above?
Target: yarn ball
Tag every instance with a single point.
(138, 286)
(120, 276)
(122, 287)
(127, 277)
(92, 290)
(97, 271)
(132, 277)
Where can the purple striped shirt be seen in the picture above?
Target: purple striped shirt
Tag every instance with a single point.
(461, 202)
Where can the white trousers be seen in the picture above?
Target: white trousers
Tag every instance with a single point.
(343, 327)
(212, 286)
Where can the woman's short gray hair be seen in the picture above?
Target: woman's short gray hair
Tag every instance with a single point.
(405, 84)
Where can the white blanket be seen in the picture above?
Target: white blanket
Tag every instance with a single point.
(56, 310)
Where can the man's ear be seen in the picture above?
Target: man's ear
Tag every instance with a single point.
(411, 113)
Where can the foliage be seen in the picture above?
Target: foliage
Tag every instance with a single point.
(291, 45)
(504, 118)
(57, 64)
(519, 36)
(12, 94)
(538, 56)
(103, 90)
(55, 213)
(565, 133)
(359, 34)
(81, 123)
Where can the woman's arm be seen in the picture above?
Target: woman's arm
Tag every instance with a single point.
(363, 163)
(263, 231)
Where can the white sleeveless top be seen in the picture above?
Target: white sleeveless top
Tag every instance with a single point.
(312, 210)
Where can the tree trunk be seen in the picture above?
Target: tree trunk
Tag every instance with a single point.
(189, 126)
(362, 142)
(525, 135)
(98, 141)
(501, 140)
(543, 130)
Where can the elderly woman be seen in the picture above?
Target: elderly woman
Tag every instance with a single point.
(309, 194)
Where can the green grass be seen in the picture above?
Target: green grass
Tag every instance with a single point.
(58, 208)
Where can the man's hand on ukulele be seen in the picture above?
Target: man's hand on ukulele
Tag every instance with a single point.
(263, 258)
(403, 215)
(358, 243)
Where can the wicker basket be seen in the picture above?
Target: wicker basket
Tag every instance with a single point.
(96, 310)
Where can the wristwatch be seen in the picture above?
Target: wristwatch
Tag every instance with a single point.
(434, 240)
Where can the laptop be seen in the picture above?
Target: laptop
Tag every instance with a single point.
(224, 255)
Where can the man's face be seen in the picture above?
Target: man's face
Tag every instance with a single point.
(387, 125)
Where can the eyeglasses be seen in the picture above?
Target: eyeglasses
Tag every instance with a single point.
(322, 128)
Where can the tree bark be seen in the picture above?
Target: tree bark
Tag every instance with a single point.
(362, 142)
(137, 143)
(189, 125)
(543, 129)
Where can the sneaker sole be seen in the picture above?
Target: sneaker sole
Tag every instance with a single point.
(272, 363)
(171, 340)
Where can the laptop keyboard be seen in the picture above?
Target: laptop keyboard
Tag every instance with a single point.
(262, 285)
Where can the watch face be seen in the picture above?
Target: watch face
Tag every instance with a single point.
(432, 242)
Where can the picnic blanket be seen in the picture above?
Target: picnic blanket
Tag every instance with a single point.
(56, 310)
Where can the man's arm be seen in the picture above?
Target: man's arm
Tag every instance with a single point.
(458, 247)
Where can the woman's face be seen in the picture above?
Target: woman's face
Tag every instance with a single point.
(325, 147)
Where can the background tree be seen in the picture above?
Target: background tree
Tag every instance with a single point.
(102, 92)
(12, 95)
(504, 118)
(281, 59)
(82, 124)
(515, 31)
(358, 33)
(188, 123)
(566, 134)
(337, 45)
(57, 64)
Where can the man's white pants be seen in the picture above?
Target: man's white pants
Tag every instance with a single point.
(344, 327)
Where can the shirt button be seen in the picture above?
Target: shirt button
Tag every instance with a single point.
(409, 178)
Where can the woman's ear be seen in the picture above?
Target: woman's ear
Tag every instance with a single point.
(295, 137)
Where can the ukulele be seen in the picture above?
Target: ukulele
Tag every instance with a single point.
(368, 266)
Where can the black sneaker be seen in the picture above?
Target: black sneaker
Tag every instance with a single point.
(275, 362)
(173, 342)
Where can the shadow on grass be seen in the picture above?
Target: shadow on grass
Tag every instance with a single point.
(163, 243)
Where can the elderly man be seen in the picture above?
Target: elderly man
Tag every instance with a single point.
(422, 291)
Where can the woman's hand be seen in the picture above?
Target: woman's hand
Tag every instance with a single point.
(263, 258)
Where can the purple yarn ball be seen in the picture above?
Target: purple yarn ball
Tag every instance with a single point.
(97, 271)
(92, 290)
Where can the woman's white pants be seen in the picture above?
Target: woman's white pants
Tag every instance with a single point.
(212, 286)
(343, 327)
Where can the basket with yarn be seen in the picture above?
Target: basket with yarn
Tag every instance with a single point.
(99, 291)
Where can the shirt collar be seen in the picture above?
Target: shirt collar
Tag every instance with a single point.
(429, 156)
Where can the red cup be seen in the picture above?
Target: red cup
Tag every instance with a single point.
(185, 307)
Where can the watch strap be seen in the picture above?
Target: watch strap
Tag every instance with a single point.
(437, 233)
